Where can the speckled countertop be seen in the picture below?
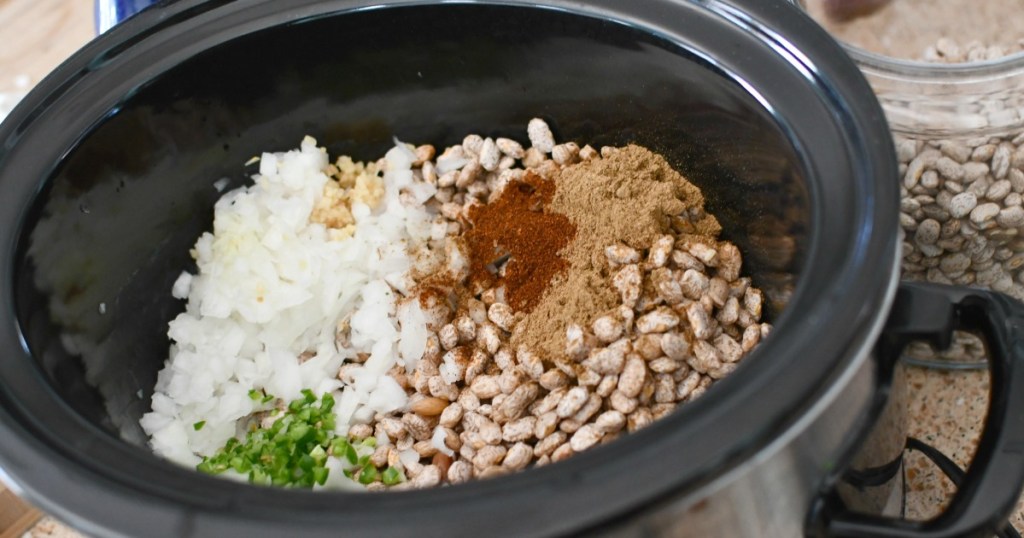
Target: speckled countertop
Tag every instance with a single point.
(946, 407)
(946, 411)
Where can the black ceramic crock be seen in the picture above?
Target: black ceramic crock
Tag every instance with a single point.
(106, 179)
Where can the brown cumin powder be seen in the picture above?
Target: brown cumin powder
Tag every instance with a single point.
(630, 196)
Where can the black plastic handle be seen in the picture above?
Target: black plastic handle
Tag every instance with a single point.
(991, 486)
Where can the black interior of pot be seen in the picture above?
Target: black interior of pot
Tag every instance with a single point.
(113, 226)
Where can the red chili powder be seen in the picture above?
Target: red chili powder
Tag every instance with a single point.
(518, 227)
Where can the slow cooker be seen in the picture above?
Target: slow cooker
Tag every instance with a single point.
(106, 174)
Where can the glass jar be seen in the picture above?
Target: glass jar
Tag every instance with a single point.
(959, 135)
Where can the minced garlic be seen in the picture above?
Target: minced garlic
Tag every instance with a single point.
(352, 182)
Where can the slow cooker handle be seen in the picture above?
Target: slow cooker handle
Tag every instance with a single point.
(994, 480)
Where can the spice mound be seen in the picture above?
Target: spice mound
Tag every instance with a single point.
(621, 204)
(520, 234)
(432, 319)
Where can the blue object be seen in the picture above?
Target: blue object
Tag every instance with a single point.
(110, 12)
